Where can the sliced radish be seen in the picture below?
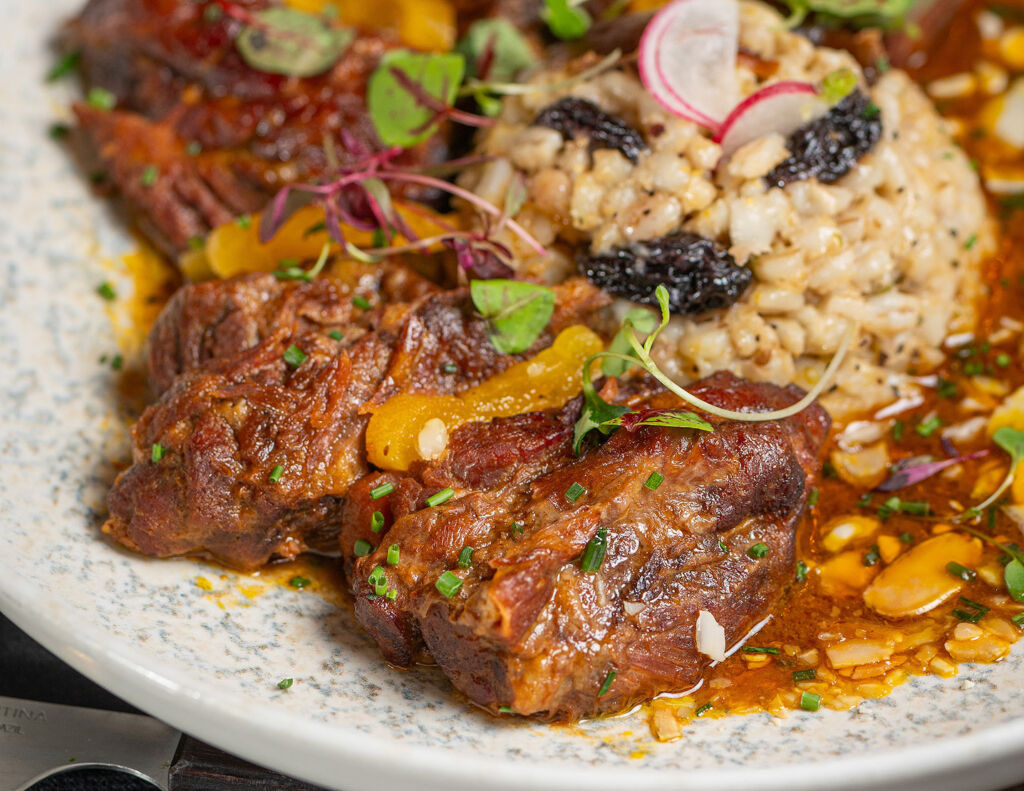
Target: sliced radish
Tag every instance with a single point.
(687, 59)
(782, 107)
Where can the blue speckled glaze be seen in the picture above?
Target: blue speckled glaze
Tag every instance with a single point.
(148, 632)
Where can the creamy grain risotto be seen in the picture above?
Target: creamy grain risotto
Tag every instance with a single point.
(894, 245)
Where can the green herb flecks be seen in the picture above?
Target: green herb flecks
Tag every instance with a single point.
(448, 584)
(281, 40)
(593, 555)
(63, 67)
(300, 582)
(566, 19)
(517, 312)
(606, 684)
(465, 558)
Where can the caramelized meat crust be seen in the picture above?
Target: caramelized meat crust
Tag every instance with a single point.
(529, 628)
(261, 419)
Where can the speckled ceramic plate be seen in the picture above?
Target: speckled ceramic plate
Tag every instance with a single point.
(148, 632)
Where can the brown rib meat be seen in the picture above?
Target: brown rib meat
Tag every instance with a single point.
(237, 409)
(529, 629)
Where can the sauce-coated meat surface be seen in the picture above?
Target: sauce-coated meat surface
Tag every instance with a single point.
(261, 419)
(529, 628)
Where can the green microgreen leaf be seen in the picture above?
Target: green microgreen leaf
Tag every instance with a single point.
(597, 413)
(1013, 575)
(287, 41)
(566, 19)
(518, 312)
(499, 42)
(677, 419)
(403, 88)
(862, 13)
(643, 320)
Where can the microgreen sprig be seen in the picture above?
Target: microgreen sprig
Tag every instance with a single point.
(1012, 441)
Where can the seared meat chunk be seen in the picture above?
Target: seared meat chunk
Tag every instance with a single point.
(529, 628)
(220, 136)
(262, 432)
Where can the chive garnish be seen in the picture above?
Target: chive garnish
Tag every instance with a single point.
(517, 528)
(593, 555)
(101, 99)
(606, 685)
(243, 221)
(801, 571)
(758, 551)
(383, 490)
(897, 430)
(448, 584)
(391, 594)
(361, 302)
(928, 427)
(335, 335)
(961, 572)
(758, 649)
(377, 522)
(915, 507)
(804, 675)
(813, 497)
(575, 492)
(379, 580)
(117, 362)
(315, 228)
(872, 557)
(157, 453)
(276, 473)
(196, 243)
(362, 548)
(506, 710)
(67, 64)
(285, 683)
(294, 356)
(149, 176)
(1003, 360)
(946, 389)
(971, 241)
(723, 547)
(906, 538)
(702, 710)
(393, 552)
(809, 701)
(299, 582)
(106, 291)
(1018, 621)
(654, 480)
(61, 131)
(193, 149)
(466, 558)
(864, 500)
(450, 368)
(440, 497)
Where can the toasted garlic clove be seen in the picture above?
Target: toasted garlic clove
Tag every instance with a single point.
(917, 581)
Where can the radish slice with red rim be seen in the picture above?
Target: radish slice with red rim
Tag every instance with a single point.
(782, 108)
(687, 59)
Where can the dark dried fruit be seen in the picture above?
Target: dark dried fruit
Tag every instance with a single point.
(579, 118)
(698, 274)
(829, 147)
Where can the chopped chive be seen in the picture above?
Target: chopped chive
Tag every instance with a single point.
(864, 500)
(448, 584)
(196, 243)
(335, 335)
(973, 605)
(377, 522)
(654, 480)
(378, 239)
(299, 582)
(871, 111)
(809, 701)
(969, 617)
(149, 175)
(193, 149)
(450, 368)
(506, 710)
(897, 430)
(906, 538)
(276, 473)
(758, 551)
(961, 572)
(101, 99)
(928, 427)
(383, 490)
(157, 452)
(319, 227)
(294, 356)
(517, 528)
(607, 684)
(466, 558)
(59, 131)
(393, 552)
(758, 649)
(1003, 360)
(801, 571)
(441, 497)
(117, 362)
(971, 241)
(828, 470)
(813, 497)
(1018, 620)
(974, 368)
(723, 547)
(575, 492)
(361, 302)
(946, 389)
(67, 64)
(872, 557)
(702, 710)
(106, 291)
(379, 580)
(391, 594)
(362, 548)
(285, 683)
(243, 221)
(804, 675)
(915, 507)
(593, 555)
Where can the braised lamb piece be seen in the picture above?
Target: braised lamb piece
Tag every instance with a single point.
(199, 137)
(259, 430)
(525, 626)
